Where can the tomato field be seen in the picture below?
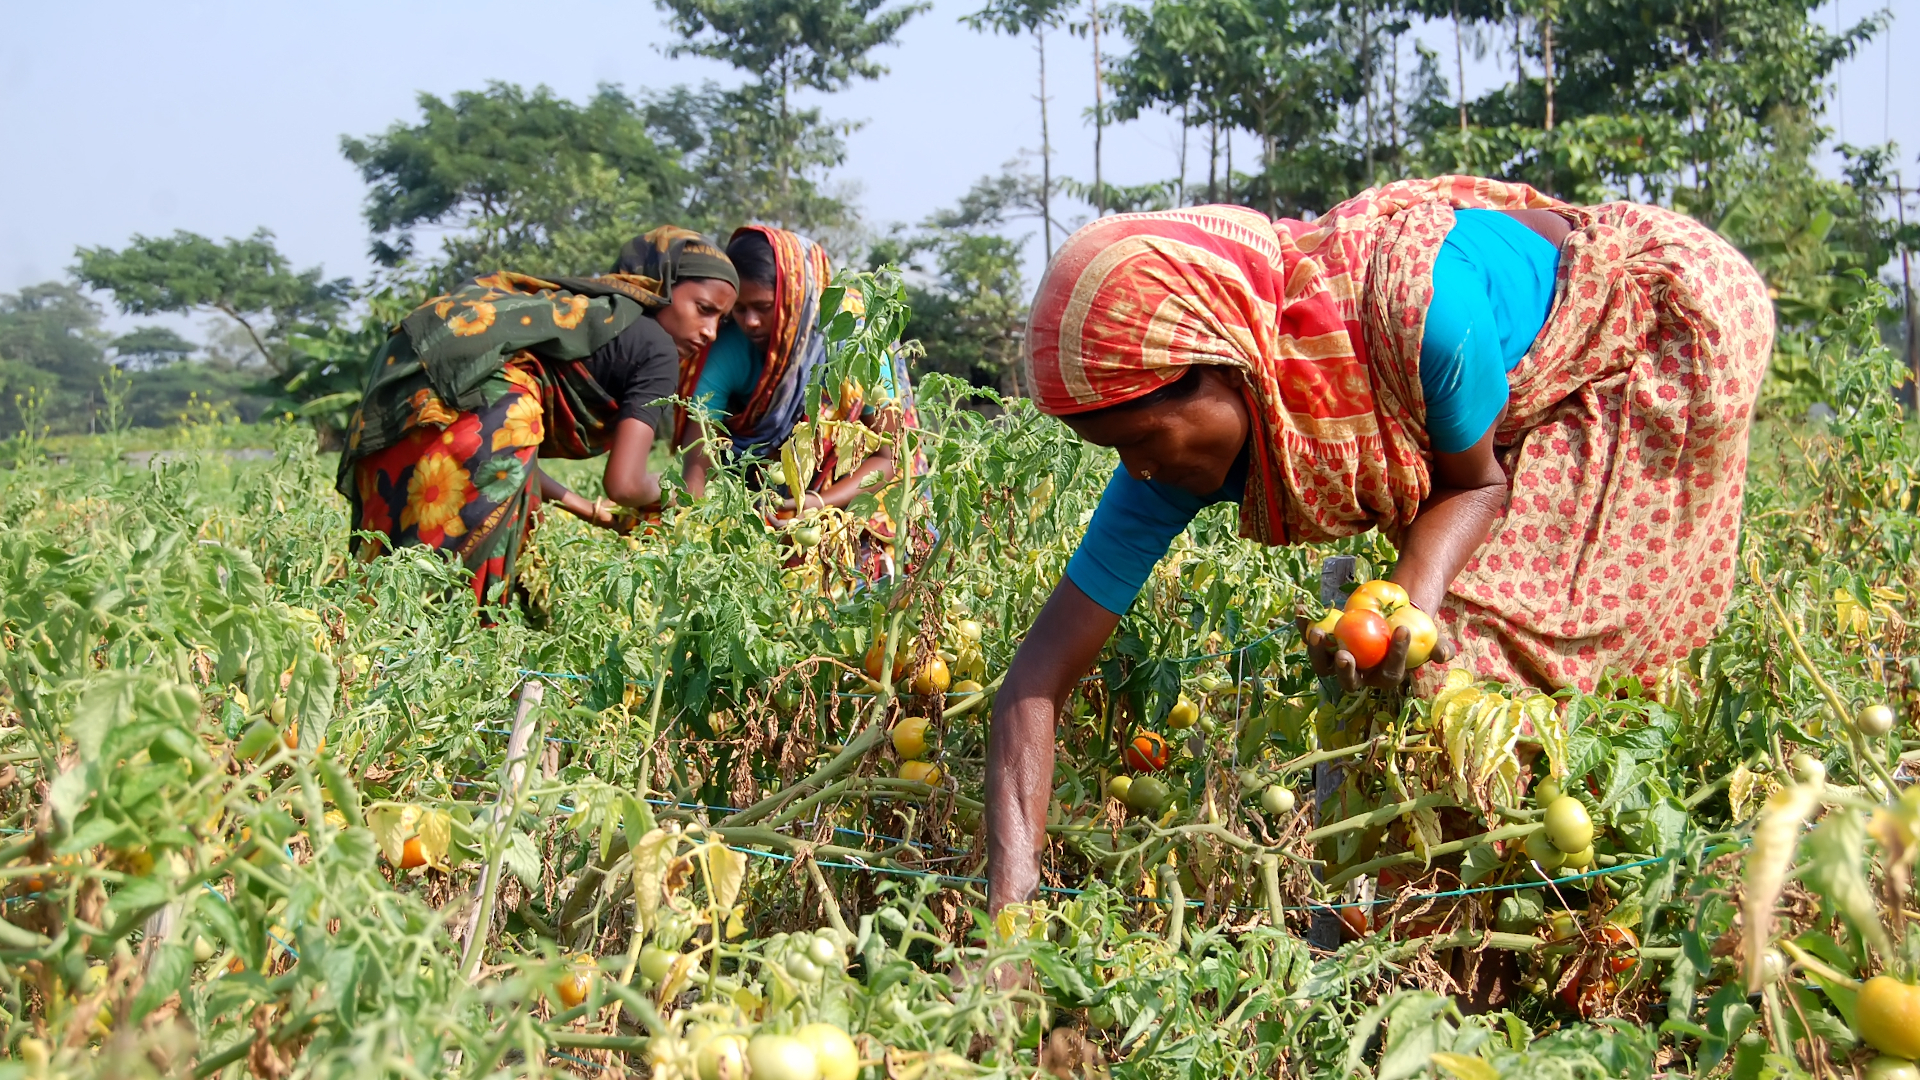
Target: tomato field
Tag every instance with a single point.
(271, 812)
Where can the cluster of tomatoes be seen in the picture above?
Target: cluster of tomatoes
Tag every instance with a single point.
(960, 653)
(1365, 627)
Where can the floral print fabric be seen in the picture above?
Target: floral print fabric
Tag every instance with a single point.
(465, 482)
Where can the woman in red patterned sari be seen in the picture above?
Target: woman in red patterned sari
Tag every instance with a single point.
(1544, 407)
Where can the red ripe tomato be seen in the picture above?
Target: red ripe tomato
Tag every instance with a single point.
(1354, 919)
(1623, 947)
(1366, 635)
(1147, 752)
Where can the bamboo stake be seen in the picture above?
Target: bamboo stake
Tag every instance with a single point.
(488, 887)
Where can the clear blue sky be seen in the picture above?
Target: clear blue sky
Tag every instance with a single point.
(215, 117)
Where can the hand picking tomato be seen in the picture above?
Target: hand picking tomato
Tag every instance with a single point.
(1147, 752)
(1364, 634)
(1380, 596)
(1422, 635)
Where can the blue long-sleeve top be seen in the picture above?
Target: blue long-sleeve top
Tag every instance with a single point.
(1493, 283)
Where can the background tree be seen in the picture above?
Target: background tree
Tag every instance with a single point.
(148, 347)
(729, 142)
(519, 179)
(248, 281)
(787, 45)
(52, 355)
(1034, 17)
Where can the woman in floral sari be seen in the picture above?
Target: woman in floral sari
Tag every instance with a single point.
(1545, 408)
(754, 378)
(474, 387)
(754, 381)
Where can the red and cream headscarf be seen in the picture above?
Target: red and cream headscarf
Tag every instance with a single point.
(1323, 319)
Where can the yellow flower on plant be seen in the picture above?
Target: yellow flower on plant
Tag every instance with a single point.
(523, 426)
(438, 491)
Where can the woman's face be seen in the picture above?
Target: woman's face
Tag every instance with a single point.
(693, 317)
(753, 312)
(1189, 442)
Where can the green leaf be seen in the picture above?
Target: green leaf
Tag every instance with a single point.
(1837, 870)
(167, 972)
(522, 857)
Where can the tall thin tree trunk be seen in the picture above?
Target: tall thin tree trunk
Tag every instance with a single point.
(1230, 195)
(786, 189)
(1393, 99)
(1180, 190)
(1519, 71)
(1546, 55)
(1213, 164)
(1046, 146)
(1459, 67)
(1099, 110)
(1366, 70)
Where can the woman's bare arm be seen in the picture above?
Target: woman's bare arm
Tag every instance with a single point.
(627, 480)
(1062, 643)
(842, 491)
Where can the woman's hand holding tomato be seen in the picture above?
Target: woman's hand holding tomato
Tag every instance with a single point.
(1376, 641)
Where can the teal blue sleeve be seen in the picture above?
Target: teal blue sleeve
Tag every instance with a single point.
(727, 378)
(1462, 373)
(1131, 530)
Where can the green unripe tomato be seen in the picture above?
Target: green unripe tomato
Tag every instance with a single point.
(825, 953)
(722, 1057)
(781, 1057)
(1568, 824)
(655, 963)
(1808, 769)
(803, 969)
(1277, 800)
(1578, 860)
(1875, 721)
(1118, 787)
(1147, 795)
(1541, 850)
(1251, 781)
(1888, 1067)
(1547, 790)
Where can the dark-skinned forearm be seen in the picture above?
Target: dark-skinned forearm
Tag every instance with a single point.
(1451, 526)
(1063, 642)
(842, 491)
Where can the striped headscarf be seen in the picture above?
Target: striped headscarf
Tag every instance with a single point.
(1323, 320)
(795, 346)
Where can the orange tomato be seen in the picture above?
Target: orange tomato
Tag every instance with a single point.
(1623, 947)
(1355, 921)
(1365, 635)
(875, 658)
(932, 678)
(573, 987)
(1379, 596)
(412, 854)
(924, 771)
(1147, 752)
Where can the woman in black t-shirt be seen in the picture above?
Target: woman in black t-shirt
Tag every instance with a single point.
(475, 387)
